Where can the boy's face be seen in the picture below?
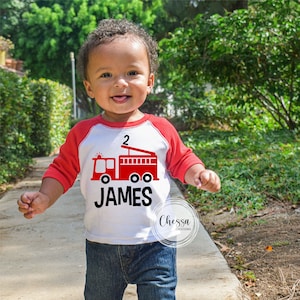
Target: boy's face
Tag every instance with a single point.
(119, 78)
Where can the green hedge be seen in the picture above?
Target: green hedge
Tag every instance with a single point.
(51, 115)
(40, 118)
(34, 120)
(15, 125)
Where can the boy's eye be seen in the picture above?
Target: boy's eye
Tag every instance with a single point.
(105, 75)
(132, 73)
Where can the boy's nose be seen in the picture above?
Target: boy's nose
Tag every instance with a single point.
(121, 82)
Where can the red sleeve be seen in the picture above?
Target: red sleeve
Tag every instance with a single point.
(179, 157)
(65, 167)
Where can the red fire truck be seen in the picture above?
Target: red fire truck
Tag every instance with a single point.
(133, 167)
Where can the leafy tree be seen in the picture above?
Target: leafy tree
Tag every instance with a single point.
(10, 14)
(52, 29)
(177, 12)
(46, 31)
(255, 52)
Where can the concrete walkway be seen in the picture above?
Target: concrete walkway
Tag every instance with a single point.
(44, 258)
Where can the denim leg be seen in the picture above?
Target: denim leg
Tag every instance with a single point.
(104, 277)
(153, 268)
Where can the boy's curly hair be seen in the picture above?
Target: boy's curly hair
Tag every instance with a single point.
(107, 31)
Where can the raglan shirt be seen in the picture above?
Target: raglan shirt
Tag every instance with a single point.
(124, 173)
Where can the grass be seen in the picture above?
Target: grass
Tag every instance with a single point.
(280, 243)
(249, 276)
(254, 168)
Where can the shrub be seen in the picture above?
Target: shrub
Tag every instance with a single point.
(51, 113)
(15, 125)
(40, 118)
(34, 121)
(61, 101)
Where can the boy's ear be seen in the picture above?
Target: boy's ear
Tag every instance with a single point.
(150, 83)
(88, 89)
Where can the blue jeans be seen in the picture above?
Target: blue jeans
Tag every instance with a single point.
(152, 267)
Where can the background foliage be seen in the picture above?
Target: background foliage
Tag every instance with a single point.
(45, 32)
(255, 167)
(34, 120)
(50, 30)
(51, 115)
(15, 125)
(40, 118)
(252, 53)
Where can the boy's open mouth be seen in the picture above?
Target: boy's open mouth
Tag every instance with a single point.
(120, 99)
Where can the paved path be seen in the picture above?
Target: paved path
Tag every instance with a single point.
(44, 258)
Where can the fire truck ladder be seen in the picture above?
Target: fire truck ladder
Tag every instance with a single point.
(137, 149)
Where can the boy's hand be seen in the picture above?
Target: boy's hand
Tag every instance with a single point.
(208, 180)
(33, 203)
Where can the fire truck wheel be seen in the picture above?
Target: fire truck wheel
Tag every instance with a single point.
(134, 178)
(105, 179)
(147, 177)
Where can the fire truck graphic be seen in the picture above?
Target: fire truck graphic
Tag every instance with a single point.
(133, 167)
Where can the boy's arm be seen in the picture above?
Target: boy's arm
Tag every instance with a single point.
(33, 203)
(202, 178)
